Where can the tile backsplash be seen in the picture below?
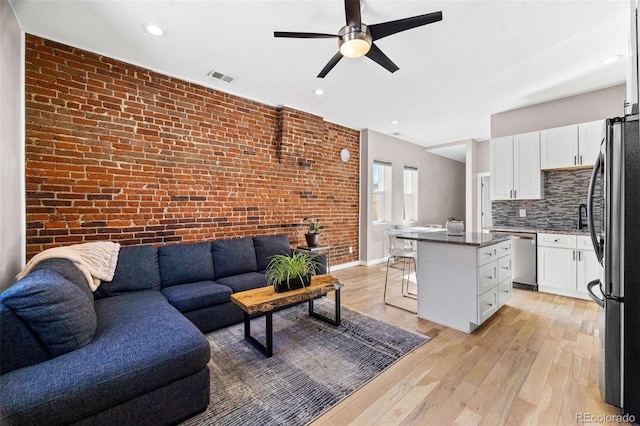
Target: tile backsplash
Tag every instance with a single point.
(564, 191)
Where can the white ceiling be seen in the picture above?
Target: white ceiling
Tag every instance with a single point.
(484, 57)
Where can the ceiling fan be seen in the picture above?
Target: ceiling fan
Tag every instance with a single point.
(357, 39)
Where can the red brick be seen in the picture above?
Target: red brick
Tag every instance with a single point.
(96, 126)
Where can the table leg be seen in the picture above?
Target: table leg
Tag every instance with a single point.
(336, 320)
(267, 350)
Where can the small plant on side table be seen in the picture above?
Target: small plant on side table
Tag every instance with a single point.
(313, 235)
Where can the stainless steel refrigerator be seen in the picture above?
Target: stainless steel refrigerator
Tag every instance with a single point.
(616, 240)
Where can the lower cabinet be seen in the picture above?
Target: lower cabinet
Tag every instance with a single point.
(461, 286)
(566, 263)
(494, 278)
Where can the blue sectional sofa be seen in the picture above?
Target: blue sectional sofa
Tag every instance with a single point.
(133, 352)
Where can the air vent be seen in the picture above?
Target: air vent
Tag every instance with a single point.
(218, 75)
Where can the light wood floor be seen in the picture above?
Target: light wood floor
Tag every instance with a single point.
(534, 362)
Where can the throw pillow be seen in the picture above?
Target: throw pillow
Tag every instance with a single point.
(56, 310)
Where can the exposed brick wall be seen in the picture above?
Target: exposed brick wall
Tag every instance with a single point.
(118, 152)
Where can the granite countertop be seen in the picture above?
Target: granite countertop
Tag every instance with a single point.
(539, 230)
(476, 239)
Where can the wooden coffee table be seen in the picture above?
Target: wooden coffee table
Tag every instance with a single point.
(266, 300)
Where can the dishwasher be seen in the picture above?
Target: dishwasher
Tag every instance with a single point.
(524, 265)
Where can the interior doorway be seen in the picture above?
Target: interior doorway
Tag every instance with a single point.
(484, 202)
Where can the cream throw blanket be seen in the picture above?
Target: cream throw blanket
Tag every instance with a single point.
(96, 260)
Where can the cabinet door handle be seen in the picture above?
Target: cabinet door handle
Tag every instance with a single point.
(515, 193)
(579, 256)
(581, 159)
(490, 305)
(556, 240)
(511, 193)
(574, 255)
(505, 267)
(488, 253)
(575, 160)
(489, 277)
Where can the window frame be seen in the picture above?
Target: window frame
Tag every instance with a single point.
(412, 195)
(381, 210)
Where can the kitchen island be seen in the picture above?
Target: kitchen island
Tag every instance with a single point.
(462, 280)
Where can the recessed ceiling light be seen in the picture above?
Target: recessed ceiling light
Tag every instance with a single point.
(154, 30)
(394, 122)
(612, 59)
(318, 92)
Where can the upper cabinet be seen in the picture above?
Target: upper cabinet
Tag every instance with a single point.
(570, 146)
(515, 167)
(589, 139)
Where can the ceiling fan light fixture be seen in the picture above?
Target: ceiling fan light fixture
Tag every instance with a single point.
(355, 48)
(354, 42)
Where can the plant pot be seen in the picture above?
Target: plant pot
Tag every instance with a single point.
(312, 239)
(455, 227)
(292, 284)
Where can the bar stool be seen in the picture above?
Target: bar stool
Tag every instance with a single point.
(401, 250)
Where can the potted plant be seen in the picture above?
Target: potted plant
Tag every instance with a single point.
(286, 272)
(313, 235)
(455, 226)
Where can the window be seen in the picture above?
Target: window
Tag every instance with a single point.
(410, 194)
(381, 194)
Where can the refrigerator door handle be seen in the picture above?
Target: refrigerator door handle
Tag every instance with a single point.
(592, 295)
(597, 243)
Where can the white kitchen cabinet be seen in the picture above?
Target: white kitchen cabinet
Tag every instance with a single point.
(566, 263)
(571, 146)
(559, 147)
(501, 168)
(589, 138)
(588, 265)
(515, 167)
(556, 268)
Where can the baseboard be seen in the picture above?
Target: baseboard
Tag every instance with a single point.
(374, 261)
(345, 265)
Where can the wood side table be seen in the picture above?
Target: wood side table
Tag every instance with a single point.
(266, 300)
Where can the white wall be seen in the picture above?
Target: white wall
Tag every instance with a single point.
(441, 186)
(482, 157)
(12, 212)
(591, 106)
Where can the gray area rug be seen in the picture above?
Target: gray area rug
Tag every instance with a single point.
(314, 366)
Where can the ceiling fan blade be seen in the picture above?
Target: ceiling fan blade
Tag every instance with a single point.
(376, 55)
(352, 12)
(387, 28)
(303, 35)
(332, 63)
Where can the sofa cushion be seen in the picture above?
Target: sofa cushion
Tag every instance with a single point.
(244, 282)
(233, 257)
(187, 297)
(19, 347)
(269, 245)
(137, 270)
(141, 344)
(68, 270)
(185, 263)
(56, 310)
